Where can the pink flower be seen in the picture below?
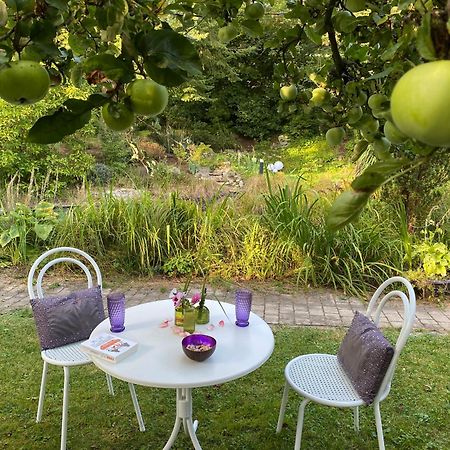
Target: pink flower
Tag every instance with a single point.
(177, 297)
(196, 298)
(221, 323)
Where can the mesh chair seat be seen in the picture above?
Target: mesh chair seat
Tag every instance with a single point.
(66, 355)
(319, 377)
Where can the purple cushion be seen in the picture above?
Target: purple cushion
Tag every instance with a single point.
(365, 355)
(66, 319)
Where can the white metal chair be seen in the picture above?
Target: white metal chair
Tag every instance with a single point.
(68, 355)
(320, 378)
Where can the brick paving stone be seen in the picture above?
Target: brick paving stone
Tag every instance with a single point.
(300, 307)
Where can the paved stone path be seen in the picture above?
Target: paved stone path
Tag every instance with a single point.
(277, 304)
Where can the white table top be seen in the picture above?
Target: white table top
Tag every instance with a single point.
(160, 360)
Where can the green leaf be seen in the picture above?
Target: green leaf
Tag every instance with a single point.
(79, 44)
(114, 68)
(424, 41)
(14, 231)
(375, 175)
(390, 52)
(346, 208)
(58, 4)
(382, 74)
(5, 238)
(253, 28)
(313, 36)
(170, 59)
(298, 12)
(43, 230)
(75, 114)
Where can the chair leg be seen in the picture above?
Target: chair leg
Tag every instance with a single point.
(284, 400)
(110, 384)
(298, 434)
(356, 418)
(137, 409)
(42, 392)
(376, 408)
(65, 409)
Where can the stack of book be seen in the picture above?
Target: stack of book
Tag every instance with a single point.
(109, 347)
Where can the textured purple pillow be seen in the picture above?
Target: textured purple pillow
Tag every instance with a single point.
(365, 355)
(66, 319)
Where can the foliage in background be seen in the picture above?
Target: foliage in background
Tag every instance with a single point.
(63, 163)
(286, 238)
(362, 254)
(24, 230)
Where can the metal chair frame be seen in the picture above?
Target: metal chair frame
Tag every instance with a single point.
(69, 355)
(319, 377)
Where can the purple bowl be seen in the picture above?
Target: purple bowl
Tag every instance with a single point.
(198, 339)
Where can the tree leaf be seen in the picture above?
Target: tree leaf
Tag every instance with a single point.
(58, 4)
(74, 114)
(170, 58)
(346, 208)
(424, 41)
(253, 28)
(114, 68)
(313, 36)
(375, 175)
(390, 52)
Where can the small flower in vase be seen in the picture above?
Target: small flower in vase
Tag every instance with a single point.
(185, 313)
(178, 298)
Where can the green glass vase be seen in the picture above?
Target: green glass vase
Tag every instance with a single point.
(190, 315)
(202, 315)
(179, 316)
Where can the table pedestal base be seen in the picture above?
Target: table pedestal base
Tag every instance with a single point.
(184, 415)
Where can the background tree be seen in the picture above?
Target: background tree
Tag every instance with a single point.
(363, 48)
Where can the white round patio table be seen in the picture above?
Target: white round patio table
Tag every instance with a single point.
(160, 361)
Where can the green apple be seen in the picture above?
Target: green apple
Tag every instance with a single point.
(117, 116)
(227, 33)
(354, 115)
(288, 93)
(23, 82)
(381, 145)
(378, 102)
(368, 135)
(370, 124)
(420, 103)
(393, 133)
(335, 136)
(147, 97)
(355, 5)
(382, 114)
(361, 98)
(319, 96)
(255, 10)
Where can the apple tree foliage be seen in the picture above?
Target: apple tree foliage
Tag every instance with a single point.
(362, 47)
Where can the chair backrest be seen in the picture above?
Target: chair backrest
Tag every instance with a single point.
(39, 293)
(409, 307)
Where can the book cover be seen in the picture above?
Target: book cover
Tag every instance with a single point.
(109, 347)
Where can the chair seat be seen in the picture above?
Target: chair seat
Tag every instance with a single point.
(319, 377)
(66, 355)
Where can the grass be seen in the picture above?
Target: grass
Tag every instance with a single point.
(238, 415)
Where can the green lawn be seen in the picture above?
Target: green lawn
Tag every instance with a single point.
(239, 415)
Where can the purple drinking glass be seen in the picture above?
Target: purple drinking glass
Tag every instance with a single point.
(116, 310)
(243, 306)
